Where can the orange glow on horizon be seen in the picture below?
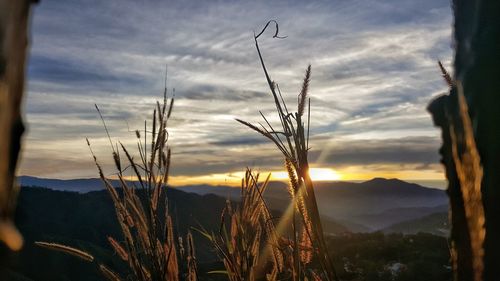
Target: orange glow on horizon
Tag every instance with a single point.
(234, 178)
(353, 173)
(317, 174)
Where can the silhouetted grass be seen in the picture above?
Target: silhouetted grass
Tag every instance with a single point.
(292, 140)
(150, 249)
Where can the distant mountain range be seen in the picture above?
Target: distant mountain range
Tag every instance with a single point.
(367, 206)
(80, 213)
(76, 185)
(372, 205)
(436, 223)
(85, 220)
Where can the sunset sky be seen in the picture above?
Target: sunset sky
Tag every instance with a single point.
(374, 70)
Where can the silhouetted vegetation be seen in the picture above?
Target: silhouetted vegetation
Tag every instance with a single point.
(63, 217)
(375, 256)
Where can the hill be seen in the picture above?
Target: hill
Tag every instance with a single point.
(76, 185)
(436, 223)
(85, 220)
(366, 206)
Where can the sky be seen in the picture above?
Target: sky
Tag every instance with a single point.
(374, 70)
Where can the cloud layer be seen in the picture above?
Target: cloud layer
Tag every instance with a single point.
(374, 71)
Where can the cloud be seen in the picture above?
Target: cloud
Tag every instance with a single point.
(209, 92)
(373, 72)
(241, 141)
(410, 150)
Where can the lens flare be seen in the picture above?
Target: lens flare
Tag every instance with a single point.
(324, 174)
(317, 174)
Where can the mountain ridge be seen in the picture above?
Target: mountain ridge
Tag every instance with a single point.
(366, 206)
(92, 184)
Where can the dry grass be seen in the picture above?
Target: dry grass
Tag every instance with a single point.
(247, 240)
(249, 243)
(292, 140)
(67, 249)
(149, 247)
(467, 164)
(470, 174)
(254, 248)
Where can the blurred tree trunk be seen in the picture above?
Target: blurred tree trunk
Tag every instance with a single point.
(477, 69)
(14, 19)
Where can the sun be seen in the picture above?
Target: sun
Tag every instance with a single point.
(317, 174)
(324, 174)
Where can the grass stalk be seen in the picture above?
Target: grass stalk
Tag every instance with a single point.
(295, 151)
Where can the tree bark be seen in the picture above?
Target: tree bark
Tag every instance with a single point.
(14, 20)
(477, 68)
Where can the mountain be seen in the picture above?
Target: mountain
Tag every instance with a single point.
(93, 188)
(389, 217)
(47, 214)
(85, 220)
(436, 223)
(365, 206)
(375, 196)
(85, 216)
(77, 185)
